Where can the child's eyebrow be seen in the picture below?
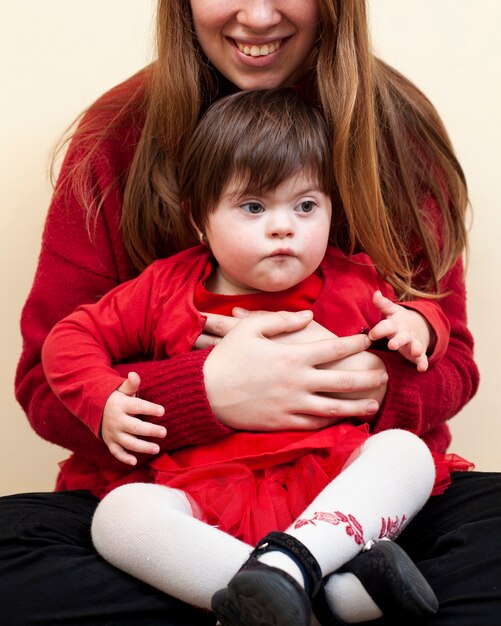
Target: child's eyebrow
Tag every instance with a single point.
(310, 189)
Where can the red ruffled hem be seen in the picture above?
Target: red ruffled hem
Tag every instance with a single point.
(445, 464)
(246, 486)
(252, 489)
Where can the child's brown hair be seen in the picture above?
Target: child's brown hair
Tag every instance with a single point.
(255, 140)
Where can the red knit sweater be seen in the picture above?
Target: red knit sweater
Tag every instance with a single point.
(78, 265)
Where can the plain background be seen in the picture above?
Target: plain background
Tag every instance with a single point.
(57, 56)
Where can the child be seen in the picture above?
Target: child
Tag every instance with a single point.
(255, 184)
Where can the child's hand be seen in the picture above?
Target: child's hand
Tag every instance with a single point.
(407, 331)
(121, 431)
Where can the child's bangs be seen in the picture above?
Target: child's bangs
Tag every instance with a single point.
(264, 165)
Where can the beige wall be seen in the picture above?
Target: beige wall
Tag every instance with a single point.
(57, 56)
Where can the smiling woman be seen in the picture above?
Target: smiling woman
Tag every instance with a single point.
(399, 195)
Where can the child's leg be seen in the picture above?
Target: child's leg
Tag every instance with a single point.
(149, 531)
(382, 488)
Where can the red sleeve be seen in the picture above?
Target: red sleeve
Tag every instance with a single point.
(79, 352)
(423, 401)
(78, 265)
(432, 312)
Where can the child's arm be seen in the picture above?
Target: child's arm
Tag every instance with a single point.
(408, 331)
(123, 432)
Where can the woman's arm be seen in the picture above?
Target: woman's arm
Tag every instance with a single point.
(423, 402)
(78, 265)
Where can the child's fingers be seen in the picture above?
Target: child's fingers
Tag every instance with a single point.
(384, 304)
(384, 328)
(121, 454)
(138, 406)
(131, 385)
(401, 339)
(135, 444)
(422, 363)
(416, 348)
(140, 428)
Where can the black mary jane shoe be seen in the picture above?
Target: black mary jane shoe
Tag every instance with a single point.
(391, 579)
(261, 595)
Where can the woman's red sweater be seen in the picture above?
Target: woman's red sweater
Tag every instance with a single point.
(79, 262)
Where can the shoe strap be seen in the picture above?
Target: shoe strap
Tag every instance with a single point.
(298, 552)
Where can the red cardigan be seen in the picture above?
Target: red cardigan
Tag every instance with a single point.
(78, 265)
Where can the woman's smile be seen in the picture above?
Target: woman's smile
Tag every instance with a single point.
(257, 49)
(257, 45)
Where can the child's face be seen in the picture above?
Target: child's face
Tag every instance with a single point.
(268, 242)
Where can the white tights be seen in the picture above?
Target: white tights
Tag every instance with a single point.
(151, 531)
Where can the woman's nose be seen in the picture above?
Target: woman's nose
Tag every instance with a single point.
(258, 15)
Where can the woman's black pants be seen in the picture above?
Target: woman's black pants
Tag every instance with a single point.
(51, 575)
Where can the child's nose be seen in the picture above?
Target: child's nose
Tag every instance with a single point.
(280, 227)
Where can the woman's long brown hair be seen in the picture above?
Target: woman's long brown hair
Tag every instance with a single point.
(390, 151)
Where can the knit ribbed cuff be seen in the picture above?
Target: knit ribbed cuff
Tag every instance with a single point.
(178, 385)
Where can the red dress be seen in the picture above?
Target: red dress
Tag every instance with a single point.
(246, 483)
(250, 483)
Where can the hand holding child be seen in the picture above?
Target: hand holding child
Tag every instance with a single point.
(407, 331)
(121, 430)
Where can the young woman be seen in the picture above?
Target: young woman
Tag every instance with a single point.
(115, 211)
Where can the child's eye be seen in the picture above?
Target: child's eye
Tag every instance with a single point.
(252, 207)
(306, 206)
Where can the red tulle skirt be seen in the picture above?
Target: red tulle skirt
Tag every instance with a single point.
(248, 484)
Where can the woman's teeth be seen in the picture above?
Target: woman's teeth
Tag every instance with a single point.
(259, 51)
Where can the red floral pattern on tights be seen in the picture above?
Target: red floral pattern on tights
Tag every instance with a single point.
(352, 525)
(390, 528)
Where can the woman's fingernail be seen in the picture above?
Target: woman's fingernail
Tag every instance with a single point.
(372, 407)
(304, 313)
(238, 311)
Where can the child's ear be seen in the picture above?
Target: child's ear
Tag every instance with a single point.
(199, 233)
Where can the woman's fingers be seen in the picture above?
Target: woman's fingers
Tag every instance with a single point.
(345, 381)
(267, 324)
(289, 379)
(219, 325)
(205, 341)
(327, 350)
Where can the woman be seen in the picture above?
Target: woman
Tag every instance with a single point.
(117, 190)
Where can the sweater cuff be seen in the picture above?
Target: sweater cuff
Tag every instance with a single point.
(178, 385)
(402, 404)
(436, 318)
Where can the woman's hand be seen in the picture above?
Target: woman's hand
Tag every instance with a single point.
(360, 361)
(256, 383)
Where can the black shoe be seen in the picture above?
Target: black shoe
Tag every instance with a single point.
(391, 579)
(260, 595)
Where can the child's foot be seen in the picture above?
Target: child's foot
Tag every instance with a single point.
(260, 595)
(390, 578)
